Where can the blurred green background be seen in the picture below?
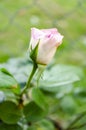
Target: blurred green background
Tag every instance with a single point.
(69, 16)
(18, 16)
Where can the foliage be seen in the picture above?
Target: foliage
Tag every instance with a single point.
(35, 109)
(66, 100)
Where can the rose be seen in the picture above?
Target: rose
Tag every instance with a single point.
(44, 43)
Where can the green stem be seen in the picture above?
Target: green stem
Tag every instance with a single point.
(30, 78)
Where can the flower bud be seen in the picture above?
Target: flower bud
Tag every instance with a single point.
(43, 44)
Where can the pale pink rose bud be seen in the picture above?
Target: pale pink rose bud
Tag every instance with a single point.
(48, 41)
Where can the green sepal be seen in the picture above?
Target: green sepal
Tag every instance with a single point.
(33, 53)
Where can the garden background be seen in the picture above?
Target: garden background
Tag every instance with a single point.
(69, 16)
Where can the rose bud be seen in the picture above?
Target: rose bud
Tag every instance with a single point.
(43, 44)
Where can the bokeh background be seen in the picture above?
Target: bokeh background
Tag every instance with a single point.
(69, 16)
(18, 16)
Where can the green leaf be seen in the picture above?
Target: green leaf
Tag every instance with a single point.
(4, 126)
(59, 75)
(33, 112)
(20, 68)
(39, 98)
(10, 113)
(32, 128)
(7, 81)
(42, 125)
(68, 105)
(46, 125)
(5, 71)
(10, 96)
